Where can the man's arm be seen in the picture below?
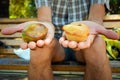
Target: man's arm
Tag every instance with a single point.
(43, 10)
(44, 14)
(97, 13)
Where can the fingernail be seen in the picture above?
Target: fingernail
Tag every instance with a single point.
(47, 41)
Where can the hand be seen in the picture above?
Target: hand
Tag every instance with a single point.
(95, 29)
(31, 45)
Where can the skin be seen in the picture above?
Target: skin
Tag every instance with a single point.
(97, 63)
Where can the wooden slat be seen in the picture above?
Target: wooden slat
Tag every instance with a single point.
(17, 20)
(13, 67)
(111, 24)
(6, 51)
(7, 25)
(54, 67)
(107, 24)
(115, 66)
(116, 70)
(114, 17)
(68, 68)
(12, 42)
(76, 68)
(8, 56)
(7, 20)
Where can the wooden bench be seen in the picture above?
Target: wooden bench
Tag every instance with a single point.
(9, 61)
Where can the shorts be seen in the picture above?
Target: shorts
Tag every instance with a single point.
(69, 55)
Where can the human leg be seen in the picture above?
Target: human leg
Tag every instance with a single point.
(97, 62)
(41, 58)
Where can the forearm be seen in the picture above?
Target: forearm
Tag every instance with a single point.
(44, 14)
(97, 13)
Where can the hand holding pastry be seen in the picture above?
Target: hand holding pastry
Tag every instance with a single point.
(30, 37)
(93, 30)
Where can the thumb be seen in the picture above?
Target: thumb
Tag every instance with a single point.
(12, 30)
(49, 38)
(17, 28)
(109, 33)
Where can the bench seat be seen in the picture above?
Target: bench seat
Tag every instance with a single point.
(21, 64)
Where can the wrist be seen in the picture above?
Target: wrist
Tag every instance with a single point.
(44, 19)
(96, 20)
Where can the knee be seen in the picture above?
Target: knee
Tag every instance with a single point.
(98, 43)
(41, 59)
(96, 54)
(42, 55)
(98, 46)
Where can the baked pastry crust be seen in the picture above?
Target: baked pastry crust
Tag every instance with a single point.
(34, 32)
(76, 31)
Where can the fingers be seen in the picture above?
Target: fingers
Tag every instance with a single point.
(72, 44)
(109, 33)
(49, 38)
(24, 46)
(61, 40)
(75, 45)
(31, 45)
(39, 43)
(66, 43)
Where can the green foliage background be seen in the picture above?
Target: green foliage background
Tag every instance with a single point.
(22, 9)
(27, 9)
(114, 7)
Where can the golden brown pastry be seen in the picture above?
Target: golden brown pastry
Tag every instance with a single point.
(76, 31)
(34, 32)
